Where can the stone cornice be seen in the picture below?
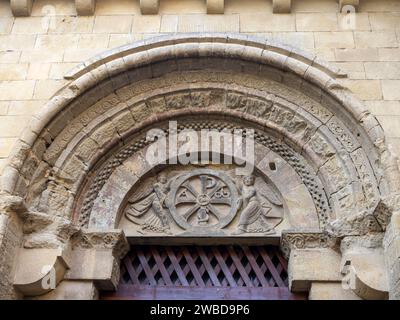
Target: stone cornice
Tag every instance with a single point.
(23, 8)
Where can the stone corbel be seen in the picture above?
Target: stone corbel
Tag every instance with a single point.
(281, 6)
(149, 6)
(344, 3)
(21, 8)
(85, 7)
(215, 6)
(312, 258)
(96, 257)
(39, 271)
(363, 266)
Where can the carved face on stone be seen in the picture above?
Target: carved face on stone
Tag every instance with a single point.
(248, 180)
(162, 178)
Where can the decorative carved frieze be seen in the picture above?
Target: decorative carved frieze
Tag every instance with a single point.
(113, 240)
(306, 239)
(85, 7)
(281, 6)
(149, 6)
(21, 8)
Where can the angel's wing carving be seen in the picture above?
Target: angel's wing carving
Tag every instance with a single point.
(144, 191)
(268, 193)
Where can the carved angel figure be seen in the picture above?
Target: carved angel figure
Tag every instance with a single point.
(155, 198)
(256, 206)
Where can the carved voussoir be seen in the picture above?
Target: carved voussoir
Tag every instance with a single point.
(21, 8)
(149, 6)
(215, 6)
(385, 208)
(85, 7)
(281, 6)
(352, 3)
(358, 224)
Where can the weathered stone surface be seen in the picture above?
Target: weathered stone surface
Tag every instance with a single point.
(309, 265)
(276, 89)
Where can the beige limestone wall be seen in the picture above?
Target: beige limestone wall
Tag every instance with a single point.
(36, 51)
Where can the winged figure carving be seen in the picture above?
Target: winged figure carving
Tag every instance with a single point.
(152, 196)
(259, 204)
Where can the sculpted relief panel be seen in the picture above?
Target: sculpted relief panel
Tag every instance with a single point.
(204, 201)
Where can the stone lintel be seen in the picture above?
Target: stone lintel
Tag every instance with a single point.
(215, 6)
(85, 7)
(21, 8)
(149, 6)
(281, 6)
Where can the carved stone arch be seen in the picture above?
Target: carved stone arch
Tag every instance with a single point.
(301, 114)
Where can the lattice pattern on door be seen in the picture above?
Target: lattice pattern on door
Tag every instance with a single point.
(207, 266)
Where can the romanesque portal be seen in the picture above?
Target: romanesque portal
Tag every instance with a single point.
(322, 188)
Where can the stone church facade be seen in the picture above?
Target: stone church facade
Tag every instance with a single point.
(96, 95)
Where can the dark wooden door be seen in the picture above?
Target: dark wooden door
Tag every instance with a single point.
(203, 272)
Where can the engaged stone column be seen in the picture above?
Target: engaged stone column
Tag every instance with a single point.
(215, 6)
(85, 7)
(392, 256)
(281, 6)
(10, 243)
(21, 8)
(149, 6)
